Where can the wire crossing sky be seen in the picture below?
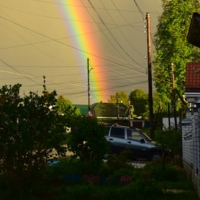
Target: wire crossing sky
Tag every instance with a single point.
(54, 38)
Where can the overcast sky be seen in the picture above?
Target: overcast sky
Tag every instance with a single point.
(54, 38)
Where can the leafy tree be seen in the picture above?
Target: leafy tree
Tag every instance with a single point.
(122, 98)
(30, 128)
(86, 140)
(65, 107)
(171, 139)
(139, 99)
(159, 108)
(171, 46)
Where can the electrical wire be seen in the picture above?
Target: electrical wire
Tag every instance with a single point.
(61, 42)
(140, 11)
(111, 34)
(122, 35)
(115, 64)
(58, 18)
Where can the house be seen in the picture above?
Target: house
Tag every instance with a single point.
(191, 124)
(83, 108)
(103, 111)
(109, 111)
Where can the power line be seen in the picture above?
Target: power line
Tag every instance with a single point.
(122, 35)
(121, 47)
(60, 18)
(140, 11)
(60, 42)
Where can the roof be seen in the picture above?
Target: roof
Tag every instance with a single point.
(192, 82)
(83, 108)
(109, 110)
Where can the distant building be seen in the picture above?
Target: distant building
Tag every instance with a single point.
(83, 108)
(109, 111)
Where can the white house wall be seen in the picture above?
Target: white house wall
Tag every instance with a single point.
(191, 149)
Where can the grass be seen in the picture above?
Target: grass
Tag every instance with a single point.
(147, 183)
(143, 186)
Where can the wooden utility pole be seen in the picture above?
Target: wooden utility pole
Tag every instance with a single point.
(173, 93)
(149, 53)
(117, 97)
(88, 75)
(169, 115)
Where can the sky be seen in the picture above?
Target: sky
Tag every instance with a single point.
(67, 40)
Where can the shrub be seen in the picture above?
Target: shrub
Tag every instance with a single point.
(30, 129)
(145, 189)
(160, 171)
(66, 166)
(170, 138)
(116, 162)
(86, 140)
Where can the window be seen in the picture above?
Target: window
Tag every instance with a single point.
(133, 135)
(117, 132)
(107, 130)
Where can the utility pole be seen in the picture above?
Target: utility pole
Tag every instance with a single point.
(169, 115)
(88, 75)
(173, 93)
(150, 76)
(117, 97)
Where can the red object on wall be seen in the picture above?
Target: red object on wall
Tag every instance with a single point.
(192, 80)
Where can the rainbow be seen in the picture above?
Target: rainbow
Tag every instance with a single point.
(87, 44)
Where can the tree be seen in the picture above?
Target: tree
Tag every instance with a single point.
(139, 99)
(171, 46)
(30, 128)
(65, 107)
(86, 140)
(122, 98)
(160, 109)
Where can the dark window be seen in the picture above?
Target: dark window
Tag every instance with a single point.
(107, 130)
(117, 132)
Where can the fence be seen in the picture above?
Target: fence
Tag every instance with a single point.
(191, 146)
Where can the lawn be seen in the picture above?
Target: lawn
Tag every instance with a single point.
(71, 180)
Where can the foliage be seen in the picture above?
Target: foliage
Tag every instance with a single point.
(143, 188)
(87, 141)
(171, 46)
(124, 172)
(122, 97)
(64, 167)
(116, 162)
(161, 172)
(30, 129)
(143, 185)
(170, 138)
(65, 107)
(139, 190)
(139, 99)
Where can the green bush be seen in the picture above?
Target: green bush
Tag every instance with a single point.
(116, 162)
(167, 173)
(161, 171)
(145, 189)
(124, 172)
(65, 166)
(170, 138)
(138, 190)
(86, 140)
(30, 129)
